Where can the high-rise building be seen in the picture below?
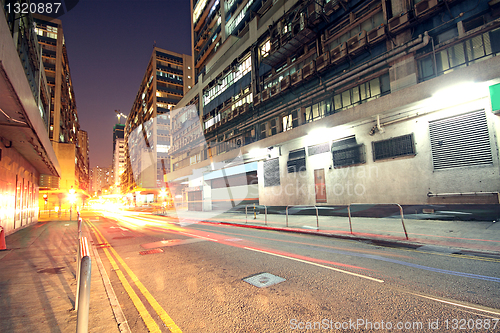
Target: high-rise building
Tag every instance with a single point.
(83, 147)
(334, 102)
(101, 180)
(63, 117)
(168, 77)
(26, 153)
(118, 155)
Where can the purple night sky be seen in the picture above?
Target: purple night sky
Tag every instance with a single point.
(109, 44)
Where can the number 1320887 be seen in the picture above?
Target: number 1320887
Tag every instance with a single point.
(33, 8)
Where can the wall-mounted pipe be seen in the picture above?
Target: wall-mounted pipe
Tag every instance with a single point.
(460, 194)
(414, 45)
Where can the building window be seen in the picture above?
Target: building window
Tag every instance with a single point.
(347, 152)
(296, 160)
(460, 141)
(290, 121)
(265, 49)
(394, 147)
(363, 93)
(463, 54)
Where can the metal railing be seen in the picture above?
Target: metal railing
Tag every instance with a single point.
(84, 270)
(317, 218)
(400, 212)
(254, 216)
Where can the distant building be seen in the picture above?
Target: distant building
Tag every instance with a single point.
(83, 146)
(26, 153)
(63, 119)
(168, 77)
(118, 155)
(101, 180)
(338, 102)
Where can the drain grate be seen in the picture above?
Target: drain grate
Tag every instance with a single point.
(264, 280)
(153, 251)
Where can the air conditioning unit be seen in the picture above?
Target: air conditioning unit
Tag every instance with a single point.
(244, 108)
(256, 99)
(265, 94)
(314, 13)
(274, 90)
(398, 22)
(338, 54)
(356, 43)
(424, 7)
(285, 83)
(322, 61)
(296, 77)
(375, 35)
(308, 70)
(299, 24)
(331, 7)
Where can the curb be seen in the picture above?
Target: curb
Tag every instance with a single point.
(380, 242)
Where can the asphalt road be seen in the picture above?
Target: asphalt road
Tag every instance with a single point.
(192, 280)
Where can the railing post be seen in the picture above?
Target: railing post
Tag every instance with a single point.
(265, 207)
(349, 214)
(246, 214)
(317, 218)
(82, 315)
(286, 213)
(402, 219)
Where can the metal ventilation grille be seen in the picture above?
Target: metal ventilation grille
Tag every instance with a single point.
(318, 149)
(394, 147)
(460, 141)
(272, 172)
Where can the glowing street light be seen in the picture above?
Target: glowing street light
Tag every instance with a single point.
(72, 199)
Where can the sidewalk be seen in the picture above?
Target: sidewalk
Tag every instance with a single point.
(37, 282)
(438, 235)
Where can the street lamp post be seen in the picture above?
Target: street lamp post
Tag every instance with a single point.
(71, 198)
(46, 199)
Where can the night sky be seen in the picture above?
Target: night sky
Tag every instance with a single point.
(109, 44)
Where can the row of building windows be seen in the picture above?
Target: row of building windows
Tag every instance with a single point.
(169, 76)
(232, 77)
(463, 54)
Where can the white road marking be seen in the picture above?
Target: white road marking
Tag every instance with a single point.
(319, 265)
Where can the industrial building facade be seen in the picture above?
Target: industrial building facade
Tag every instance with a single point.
(26, 152)
(168, 77)
(338, 102)
(64, 125)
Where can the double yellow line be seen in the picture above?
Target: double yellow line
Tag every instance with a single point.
(146, 317)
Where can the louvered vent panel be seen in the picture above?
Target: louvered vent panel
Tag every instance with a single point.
(271, 172)
(460, 141)
(318, 149)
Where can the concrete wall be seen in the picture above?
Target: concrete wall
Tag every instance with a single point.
(19, 206)
(403, 180)
(66, 154)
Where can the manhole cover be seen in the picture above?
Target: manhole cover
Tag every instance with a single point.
(264, 280)
(153, 251)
